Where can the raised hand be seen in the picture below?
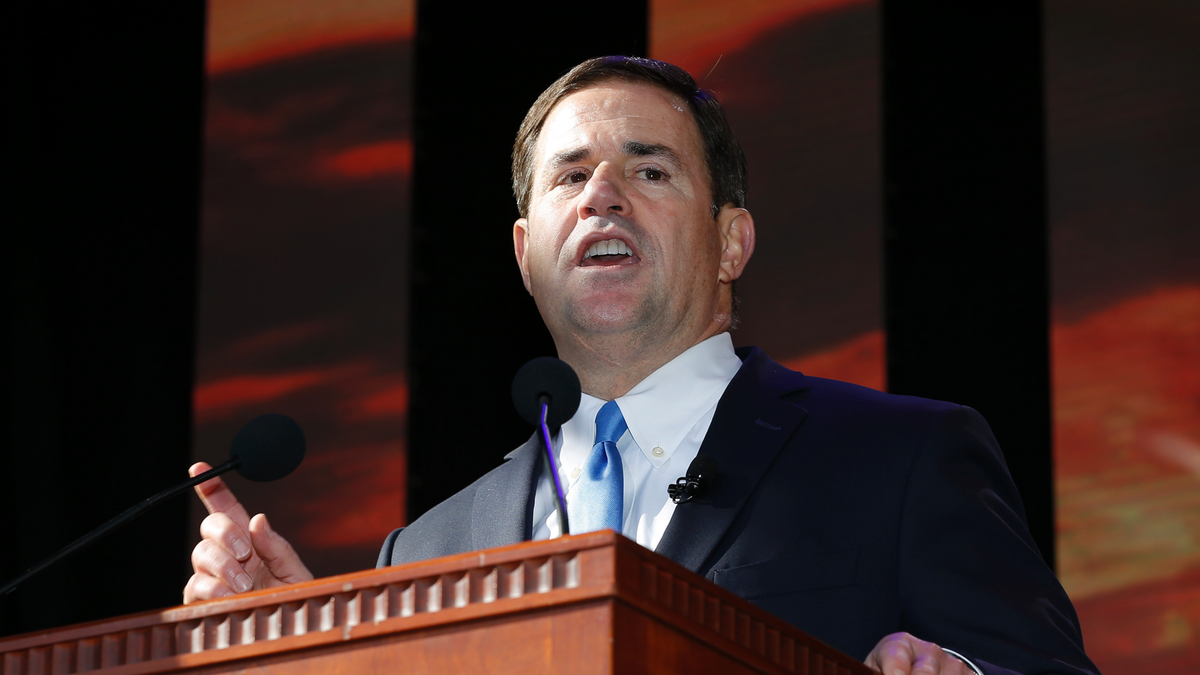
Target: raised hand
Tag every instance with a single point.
(237, 553)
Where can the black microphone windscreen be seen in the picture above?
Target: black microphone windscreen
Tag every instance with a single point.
(269, 447)
(547, 377)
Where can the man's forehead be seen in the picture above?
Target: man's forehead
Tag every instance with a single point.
(642, 109)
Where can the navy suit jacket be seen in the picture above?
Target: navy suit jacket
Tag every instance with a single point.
(850, 513)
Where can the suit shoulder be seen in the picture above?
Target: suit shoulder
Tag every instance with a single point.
(456, 507)
(442, 530)
(904, 425)
(834, 404)
(824, 392)
(451, 527)
(818, 392)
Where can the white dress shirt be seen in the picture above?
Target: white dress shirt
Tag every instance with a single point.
(668, 414)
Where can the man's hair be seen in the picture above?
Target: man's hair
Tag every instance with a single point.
(723, 156)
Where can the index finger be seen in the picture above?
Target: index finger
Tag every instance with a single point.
(218, 498)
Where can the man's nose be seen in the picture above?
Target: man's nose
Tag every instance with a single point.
(605, 193)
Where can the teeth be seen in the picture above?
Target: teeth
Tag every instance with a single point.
(607, 247)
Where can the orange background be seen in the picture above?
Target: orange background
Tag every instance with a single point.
(303, 303)
(308, 156)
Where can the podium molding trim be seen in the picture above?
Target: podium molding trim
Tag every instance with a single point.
(648, 592)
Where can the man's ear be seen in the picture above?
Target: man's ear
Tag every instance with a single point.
(736, 227)
(521, 249)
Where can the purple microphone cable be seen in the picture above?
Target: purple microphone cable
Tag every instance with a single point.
(553, 468)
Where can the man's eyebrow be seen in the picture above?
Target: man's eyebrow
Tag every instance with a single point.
(569, 156)
(639, 149)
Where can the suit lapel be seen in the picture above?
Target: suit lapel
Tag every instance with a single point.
(502, 511)
(749, 428)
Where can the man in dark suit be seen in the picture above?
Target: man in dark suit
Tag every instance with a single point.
(887, 526)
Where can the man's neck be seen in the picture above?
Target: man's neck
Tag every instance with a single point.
(609, 371)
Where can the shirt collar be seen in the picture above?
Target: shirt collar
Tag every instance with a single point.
(664, 407)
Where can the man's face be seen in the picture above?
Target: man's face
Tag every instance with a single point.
(620, 239)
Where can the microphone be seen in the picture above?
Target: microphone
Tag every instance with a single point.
(546, 393)
(698, 481)
(546, 380)
(266, 448)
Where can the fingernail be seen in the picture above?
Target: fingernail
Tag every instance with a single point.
(243, 583)
(240, 549)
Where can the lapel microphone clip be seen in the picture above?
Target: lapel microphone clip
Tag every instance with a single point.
(696, 483)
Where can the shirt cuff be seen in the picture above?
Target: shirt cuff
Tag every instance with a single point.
(965, 660)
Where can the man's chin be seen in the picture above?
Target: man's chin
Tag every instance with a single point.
(610, 318)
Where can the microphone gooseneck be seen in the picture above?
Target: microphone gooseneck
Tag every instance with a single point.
(564, 525)
(266, 448)
(546, 393)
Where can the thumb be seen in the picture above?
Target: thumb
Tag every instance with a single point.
(277, 555)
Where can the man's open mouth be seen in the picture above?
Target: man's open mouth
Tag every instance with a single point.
(608, 252)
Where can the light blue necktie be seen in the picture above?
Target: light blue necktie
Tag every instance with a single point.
(597, 499)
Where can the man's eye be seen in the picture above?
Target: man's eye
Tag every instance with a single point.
(652, 174)
(577, 177)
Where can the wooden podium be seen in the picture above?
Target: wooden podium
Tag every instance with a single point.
(592, 603)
